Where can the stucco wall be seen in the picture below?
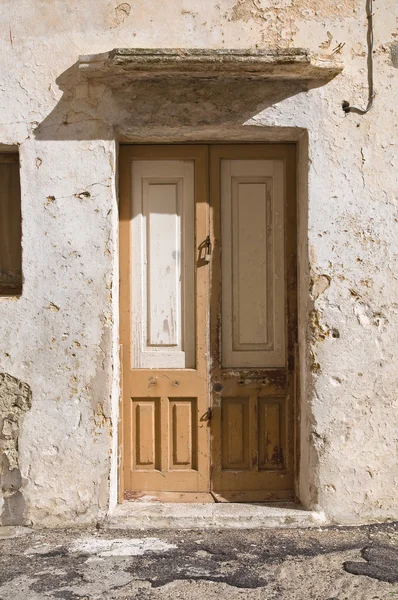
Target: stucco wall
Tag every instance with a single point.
(60, 338)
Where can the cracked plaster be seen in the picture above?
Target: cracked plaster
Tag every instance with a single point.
(60, 337)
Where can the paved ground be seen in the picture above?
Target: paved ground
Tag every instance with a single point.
(296, 564)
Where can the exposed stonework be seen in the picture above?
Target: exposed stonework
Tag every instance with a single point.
(15, 400)
(394, 54)
(122, 11)
(279, 20)
(320, 283)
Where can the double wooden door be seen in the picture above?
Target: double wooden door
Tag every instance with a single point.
(207, 321)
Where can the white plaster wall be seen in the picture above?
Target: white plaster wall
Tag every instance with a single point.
(61, 337)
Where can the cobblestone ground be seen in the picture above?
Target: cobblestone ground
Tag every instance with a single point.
(107, 564)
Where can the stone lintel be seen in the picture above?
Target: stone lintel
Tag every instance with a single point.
(287, 63)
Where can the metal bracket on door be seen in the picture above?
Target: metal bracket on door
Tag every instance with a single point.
(205, 251)
(208, 415)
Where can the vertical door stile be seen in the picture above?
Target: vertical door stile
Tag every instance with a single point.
(124, 324)
(164, 434)
(253, 428)
(120, 457)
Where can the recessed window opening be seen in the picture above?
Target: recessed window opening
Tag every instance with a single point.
(10, 226)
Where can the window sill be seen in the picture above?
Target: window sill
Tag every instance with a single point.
(10, 291)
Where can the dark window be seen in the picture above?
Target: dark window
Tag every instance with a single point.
(10, 226)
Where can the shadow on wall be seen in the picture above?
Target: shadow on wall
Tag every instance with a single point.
(96, 108)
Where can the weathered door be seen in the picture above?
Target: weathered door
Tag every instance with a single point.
(253, 321)
(164, 318)
(208, 324)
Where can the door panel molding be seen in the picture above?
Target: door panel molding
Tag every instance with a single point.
(252, 248)
(162, 239)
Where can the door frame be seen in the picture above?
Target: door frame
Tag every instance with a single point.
(155, 150)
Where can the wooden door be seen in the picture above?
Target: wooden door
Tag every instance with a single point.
(164, 319)
(253, 321)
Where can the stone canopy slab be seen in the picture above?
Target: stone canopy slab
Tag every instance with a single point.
(287, 63)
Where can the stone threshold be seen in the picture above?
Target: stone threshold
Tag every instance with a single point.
(159, 515)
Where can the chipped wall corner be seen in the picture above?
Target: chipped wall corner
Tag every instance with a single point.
(15, 401)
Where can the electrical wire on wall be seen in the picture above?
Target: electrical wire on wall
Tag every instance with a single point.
(370, 37)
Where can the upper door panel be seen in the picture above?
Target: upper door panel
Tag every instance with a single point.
(253, 282)
(163, 269)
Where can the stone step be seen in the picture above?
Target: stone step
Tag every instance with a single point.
(159, 515)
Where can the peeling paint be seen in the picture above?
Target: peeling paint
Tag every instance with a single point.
(394, 54)
(122, 11)
(320, 284)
